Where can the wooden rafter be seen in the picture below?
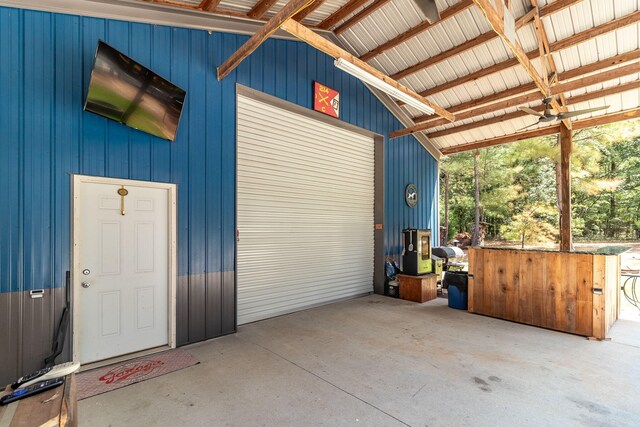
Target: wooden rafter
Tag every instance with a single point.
(468, 45)
(307, 10)
(545, 131)
(557, 6)
(290, 9)
(375, 5)
(548, 62)
(443, 56)
(305, 34)
(208, 5)
(528, 87)
(446, 14)
(626, 87)
(496, 20)
(261, 8)
(526, 98)
(565, 43)
(175, 4)
(584, 73)
(341, 13)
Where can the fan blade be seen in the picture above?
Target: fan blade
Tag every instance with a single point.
(430, 10)
(532, 124)
(531, 111)
(569, 114)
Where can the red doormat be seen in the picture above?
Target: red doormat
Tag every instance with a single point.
(118, 375)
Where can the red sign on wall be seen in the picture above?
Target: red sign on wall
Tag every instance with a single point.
(326, 100)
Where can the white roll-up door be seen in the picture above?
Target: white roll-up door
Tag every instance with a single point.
(305, 206)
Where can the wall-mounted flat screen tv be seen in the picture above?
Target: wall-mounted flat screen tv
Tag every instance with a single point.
(127, 92)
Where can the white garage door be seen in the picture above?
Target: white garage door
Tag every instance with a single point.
(305, 199)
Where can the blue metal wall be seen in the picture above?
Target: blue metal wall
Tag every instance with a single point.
(45, 63)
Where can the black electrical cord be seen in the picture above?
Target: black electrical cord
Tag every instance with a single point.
(631, 292)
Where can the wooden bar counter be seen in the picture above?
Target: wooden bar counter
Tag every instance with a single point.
(572, 292)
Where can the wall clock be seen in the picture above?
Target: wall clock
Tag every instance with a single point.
(411, 195)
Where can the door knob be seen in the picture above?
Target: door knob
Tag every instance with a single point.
(86, 284)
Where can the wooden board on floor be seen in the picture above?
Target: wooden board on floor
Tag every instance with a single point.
(54, 407)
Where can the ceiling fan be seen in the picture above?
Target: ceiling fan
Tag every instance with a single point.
(430, 10)
(546, 116)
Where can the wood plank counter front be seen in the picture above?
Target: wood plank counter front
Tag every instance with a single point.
(566, 291)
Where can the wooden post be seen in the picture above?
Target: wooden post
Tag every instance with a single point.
(566, 241)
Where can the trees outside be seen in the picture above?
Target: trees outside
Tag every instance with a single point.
(518, 194)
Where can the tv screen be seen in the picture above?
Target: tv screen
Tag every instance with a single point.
(127, 92)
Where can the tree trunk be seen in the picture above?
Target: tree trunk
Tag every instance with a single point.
(444, 235)
(559, 185)
(475, 241)
(611, 224)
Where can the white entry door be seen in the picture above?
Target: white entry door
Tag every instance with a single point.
(123, 249)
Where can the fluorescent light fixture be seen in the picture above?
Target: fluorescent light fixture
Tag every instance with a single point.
(372, 80)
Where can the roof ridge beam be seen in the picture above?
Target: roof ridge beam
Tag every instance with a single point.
(545, 131)
(469, 44)
(554, 47)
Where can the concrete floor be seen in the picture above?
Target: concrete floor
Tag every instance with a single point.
(377, 361)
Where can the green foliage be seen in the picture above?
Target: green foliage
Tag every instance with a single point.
(518, 186)
(531, 226)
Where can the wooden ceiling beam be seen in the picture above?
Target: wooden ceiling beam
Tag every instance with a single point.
(208, 5)
(490, 142)
(526, 98)
(305, 34)
(635, 85)
(607, 118)
(568, 42)
(549, 130)
(496, 20)
(528, 87)
(307, 10)
(375, 5)
(290, 9)
(446, 14)
(470, 44)
(547, 62)
(341, 13)
(556, 6)
(261, 8)
(175, 4)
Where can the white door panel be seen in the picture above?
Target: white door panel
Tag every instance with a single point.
(305, 205)
(124, 308)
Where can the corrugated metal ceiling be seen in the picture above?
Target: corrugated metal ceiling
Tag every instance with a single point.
(398, 16)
